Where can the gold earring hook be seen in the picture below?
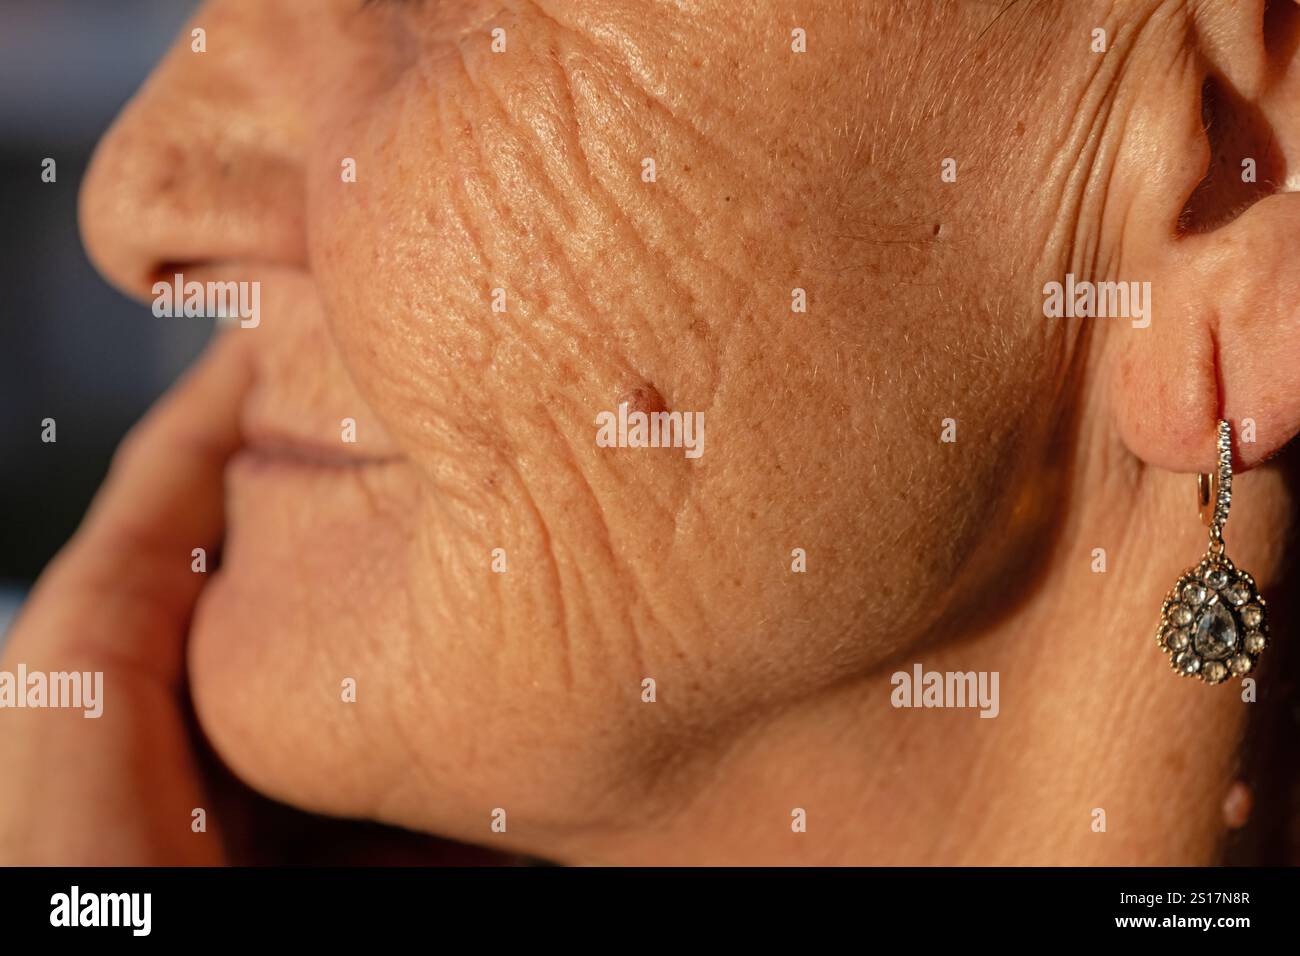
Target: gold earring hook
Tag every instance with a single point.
(1214, 491)
(1206, 490)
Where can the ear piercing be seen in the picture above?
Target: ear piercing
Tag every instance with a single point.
(1213, 623)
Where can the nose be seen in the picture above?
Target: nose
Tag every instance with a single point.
(204, 165)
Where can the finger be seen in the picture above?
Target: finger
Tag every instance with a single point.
(123, 586)
(116, 601)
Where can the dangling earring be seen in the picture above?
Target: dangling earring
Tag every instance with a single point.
(1213, 622)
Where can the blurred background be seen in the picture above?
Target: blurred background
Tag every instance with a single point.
(71, 348)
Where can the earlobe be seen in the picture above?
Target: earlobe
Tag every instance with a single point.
(1224, 341)
(1225, 337)
(1249, 280)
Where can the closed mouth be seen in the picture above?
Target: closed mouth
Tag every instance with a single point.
(271, 447)
(303, 455)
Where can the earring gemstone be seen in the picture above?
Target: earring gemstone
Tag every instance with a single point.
(1216, 632)
(1213, 623)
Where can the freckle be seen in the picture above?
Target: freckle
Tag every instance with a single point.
(1020, 129)
(643, 398)
(1237, 806)
(1175, 762)
(940, 230)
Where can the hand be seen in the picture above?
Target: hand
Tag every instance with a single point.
(121, 789)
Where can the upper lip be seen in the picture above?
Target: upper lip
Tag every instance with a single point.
(286, 417)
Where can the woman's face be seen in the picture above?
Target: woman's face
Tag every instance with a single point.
(463, 249)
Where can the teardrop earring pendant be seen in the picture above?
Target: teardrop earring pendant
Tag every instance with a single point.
(1214, 623)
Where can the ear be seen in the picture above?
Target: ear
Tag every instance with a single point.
(1222, 252)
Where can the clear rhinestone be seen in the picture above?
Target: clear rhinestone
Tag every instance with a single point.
(1215, 671)
(1180, 615)
(1216, 632)
(1193, 593)
(1238, 594)
(1187, 663)
(1176, 638)
(1254, 642)
(1252, 616)
(1216, 577)
(1240, 664)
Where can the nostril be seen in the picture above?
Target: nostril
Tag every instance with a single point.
(117, 204)
(154, 203)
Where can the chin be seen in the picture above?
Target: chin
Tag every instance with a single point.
(303, 601)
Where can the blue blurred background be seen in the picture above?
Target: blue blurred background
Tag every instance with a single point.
(71, 348)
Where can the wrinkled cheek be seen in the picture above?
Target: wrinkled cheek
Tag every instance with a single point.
(394, 290)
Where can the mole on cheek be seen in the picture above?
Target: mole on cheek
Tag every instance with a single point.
(643, 398)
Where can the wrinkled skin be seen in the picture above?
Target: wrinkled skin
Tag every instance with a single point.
(774, 170)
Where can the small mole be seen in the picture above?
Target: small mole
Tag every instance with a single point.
(726, 199)
(1020, 129)
(940, 230)
(643, 398)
